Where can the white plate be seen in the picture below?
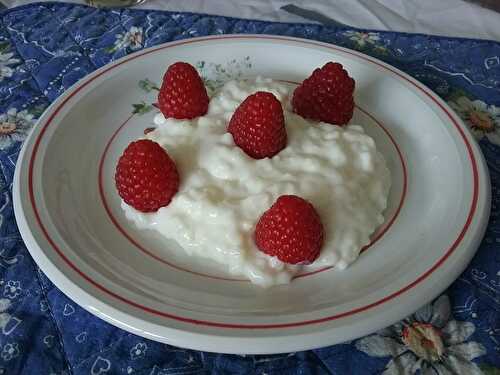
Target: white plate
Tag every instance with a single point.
(69, 216)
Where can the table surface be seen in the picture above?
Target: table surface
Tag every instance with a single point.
(444, 17)
(44, 49)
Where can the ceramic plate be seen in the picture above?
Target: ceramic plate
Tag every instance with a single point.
(69, 214)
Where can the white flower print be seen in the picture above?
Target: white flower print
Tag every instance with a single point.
(14, 127)
(362, 38)
(427, 341)
(6, 60)
(138, 351)
(132, 38)
(10, 351)
(482, 119)
(12, 289)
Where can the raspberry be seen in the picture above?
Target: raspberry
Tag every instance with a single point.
(182, 94)
(290, 230)
(326, 95)
(258, 126)
(146, 177)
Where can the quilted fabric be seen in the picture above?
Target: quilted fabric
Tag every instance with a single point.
(45, 48)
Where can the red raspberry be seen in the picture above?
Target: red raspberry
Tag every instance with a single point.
(326, 95)
(182, 94)
(258, 126)
(146, 177)
(290, 230)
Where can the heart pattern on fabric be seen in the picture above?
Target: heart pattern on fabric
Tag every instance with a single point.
(81, 337)
(100, 366)
(68, 310)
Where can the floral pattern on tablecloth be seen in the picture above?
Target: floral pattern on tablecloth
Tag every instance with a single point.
(427, 341)
(45, 48)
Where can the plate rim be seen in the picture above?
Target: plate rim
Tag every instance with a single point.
(475, 157)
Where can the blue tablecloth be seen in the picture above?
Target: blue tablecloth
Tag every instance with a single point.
(45, 48)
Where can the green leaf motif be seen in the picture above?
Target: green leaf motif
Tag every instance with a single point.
(215, 75)
(381, 50)
(457, 93)
(489, 370)
(4, 47)
(37, 110)
(147, 85)
(141, 108)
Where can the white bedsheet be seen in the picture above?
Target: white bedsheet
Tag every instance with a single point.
(440, 17)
